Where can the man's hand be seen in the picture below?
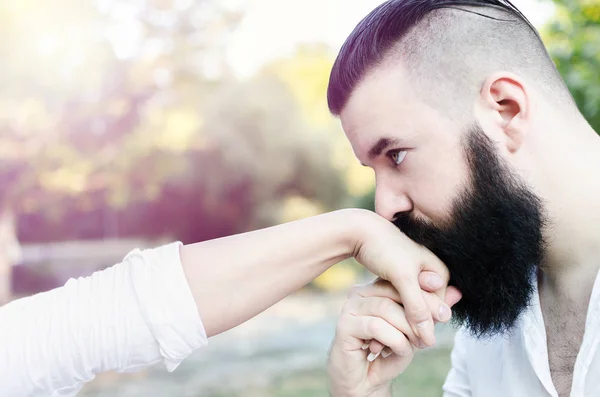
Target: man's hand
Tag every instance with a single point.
(391, 255)
(373, 322)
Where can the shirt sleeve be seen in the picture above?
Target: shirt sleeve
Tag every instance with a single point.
(457, 381)
(132, 315)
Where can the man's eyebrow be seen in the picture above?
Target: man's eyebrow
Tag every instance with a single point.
(381, 145)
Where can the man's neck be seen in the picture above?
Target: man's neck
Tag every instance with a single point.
(574, 287)
(573, 234)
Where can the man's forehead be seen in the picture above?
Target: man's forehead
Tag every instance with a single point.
(383, 84)
(381, 106)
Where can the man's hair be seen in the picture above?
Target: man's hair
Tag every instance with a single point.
(447, 47)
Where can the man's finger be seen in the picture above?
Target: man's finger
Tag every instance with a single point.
(376, 328)
(433, 270)
(439, 309)
(387, 309)
(431, 281)
(415, 307)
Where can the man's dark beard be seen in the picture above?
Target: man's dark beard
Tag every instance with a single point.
(492, 246)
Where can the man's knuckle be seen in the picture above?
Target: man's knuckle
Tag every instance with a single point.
(416, 311)
(374, 325)
(384, 307)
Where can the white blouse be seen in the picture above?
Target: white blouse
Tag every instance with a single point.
(124, 318)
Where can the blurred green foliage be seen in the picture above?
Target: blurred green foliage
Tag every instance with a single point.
(573, 40)
(367, 201)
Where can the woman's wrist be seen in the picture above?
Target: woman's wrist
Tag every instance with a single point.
(355, 224)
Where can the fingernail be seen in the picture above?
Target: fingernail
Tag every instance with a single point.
(386, 353)
(444, 314)
(422, 344)
(435, 281)
(373, 356)
(364, 347)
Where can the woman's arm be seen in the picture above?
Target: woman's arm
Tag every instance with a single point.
(234, 278)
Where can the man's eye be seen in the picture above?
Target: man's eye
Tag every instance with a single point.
(397, 156)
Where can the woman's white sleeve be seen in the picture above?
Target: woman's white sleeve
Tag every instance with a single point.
(127, 317)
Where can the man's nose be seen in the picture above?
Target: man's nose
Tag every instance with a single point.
(389, 201)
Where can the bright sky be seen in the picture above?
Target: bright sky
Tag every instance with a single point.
(272, 28)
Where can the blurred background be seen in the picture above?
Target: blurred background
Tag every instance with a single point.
(130, 123)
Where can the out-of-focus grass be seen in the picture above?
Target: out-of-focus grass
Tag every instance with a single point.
(424, 378)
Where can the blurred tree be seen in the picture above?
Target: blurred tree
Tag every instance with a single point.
(573, 40)
(80, 79)
(122, 119)
(367, 201)
(263, 137)
(306, 74)
(32, 153)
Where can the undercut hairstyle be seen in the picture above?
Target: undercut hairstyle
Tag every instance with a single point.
(447, 48)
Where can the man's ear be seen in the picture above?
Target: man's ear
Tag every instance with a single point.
(504, 108)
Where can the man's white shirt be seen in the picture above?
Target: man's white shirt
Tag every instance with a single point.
(516, 364)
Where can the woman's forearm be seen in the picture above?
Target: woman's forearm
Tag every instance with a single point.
(234, 278)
